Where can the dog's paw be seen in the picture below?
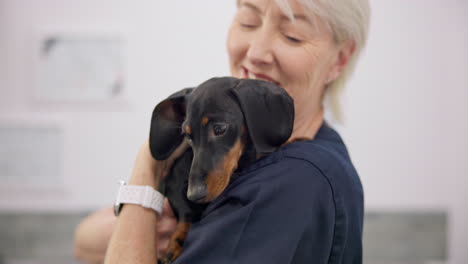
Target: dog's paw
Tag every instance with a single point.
(176, 242)
(169, 258)
(166, 260)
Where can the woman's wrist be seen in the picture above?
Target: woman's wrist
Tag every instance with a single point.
(144, 171)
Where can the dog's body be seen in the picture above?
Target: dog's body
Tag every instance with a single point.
(228, 123)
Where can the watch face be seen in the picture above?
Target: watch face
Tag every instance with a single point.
(117, 204)
(117, 209)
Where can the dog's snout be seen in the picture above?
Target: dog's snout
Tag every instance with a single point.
(196, 193)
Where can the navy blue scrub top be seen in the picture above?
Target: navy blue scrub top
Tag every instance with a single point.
(301, 204)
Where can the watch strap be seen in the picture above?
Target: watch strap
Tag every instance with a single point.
(145, 196)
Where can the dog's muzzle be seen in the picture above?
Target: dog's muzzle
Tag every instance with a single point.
(196, 192)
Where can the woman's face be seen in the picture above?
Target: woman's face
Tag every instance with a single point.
(298, 55)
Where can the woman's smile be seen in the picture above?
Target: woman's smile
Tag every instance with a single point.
(247, 74)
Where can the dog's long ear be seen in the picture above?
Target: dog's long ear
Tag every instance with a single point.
(268, 112)
(166, 122)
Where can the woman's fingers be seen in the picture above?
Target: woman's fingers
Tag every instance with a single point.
(167, 209)
(165, 227)
(167, 222)
(162, 247)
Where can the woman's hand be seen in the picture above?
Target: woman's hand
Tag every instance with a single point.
(165, 228)
(134, 238)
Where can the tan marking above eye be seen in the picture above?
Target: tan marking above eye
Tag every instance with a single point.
(188, 130)
(204, 121)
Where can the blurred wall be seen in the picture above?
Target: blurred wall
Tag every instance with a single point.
(407, 112)
(405, 107)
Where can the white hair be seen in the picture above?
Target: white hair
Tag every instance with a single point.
(347, 20)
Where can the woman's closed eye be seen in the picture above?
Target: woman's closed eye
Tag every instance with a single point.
(292, 33)
(293, 39)
(247, 25)
(247, 18)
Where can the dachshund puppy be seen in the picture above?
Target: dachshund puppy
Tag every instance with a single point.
(228, 124)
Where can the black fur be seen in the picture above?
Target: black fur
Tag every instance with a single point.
(257, 113)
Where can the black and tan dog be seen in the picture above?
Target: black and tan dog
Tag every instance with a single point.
(227, 123)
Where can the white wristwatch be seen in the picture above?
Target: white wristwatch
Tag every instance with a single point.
(145, 196)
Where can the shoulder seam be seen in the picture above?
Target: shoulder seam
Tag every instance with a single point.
(334, 246)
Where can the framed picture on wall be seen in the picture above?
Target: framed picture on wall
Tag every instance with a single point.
(31, 155)
(79, 66)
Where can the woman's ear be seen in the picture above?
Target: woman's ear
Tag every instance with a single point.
(345, 53)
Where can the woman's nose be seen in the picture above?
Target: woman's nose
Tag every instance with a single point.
(260, 49)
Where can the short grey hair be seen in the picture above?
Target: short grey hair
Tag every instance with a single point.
(347, 20)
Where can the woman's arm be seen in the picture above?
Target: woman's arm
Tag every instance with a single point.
(134, 236)
(93, 234)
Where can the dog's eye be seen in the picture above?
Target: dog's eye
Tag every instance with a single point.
(219, 129)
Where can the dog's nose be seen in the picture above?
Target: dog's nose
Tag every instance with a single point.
(197, 193)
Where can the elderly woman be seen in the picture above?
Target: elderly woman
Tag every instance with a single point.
(308, 202)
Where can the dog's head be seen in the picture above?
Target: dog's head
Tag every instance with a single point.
(218, 119)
